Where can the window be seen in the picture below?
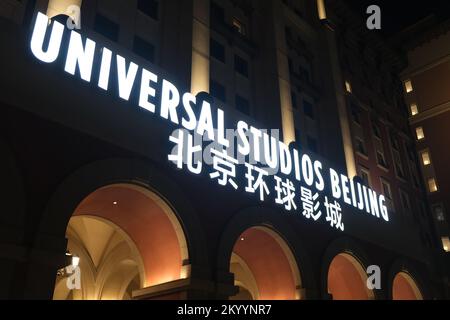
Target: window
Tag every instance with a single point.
(381, 159)
(432, 186)
(394, 142)
(414, 109)
(304, 73)
(446, 244)
(355, 116)
(408, 86)
(386, 189)
(425, 158)
(143, 48)
(241, 66)
(365, 176)
(217, 50)
(297, 136)
(149, 7)
(294, 99)
(399, 168)
(308, 109)
(242, 105)
(376, 130)
(312, 144)
(217, 13)
(360, 146)
(218, 91)
(348, 87)
(439, 213)
(405, 201)
(239, 26)
(419, 133)
(106, 27)
(291, 65)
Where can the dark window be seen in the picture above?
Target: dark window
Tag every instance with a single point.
(304, 73)
(149, 7)
(291, 66)
(376, 130)
(394, 142)
(308, 109)
(218, 91)
(355, 115)
(294, 99)
(242, 105)
(399, 168)
(381, 160)
(360, 146)
(143, 48)
(241, 65)
(106, 27)
(288, 32)
(365, 178)
(217, 12)
(298, 137)
(312, 144)
(217, 50)
(386, 190)
(405, 201)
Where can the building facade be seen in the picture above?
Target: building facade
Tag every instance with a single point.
(90, 183)
(425, 88)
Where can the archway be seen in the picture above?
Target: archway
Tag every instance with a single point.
(347, 279)
(127, 238)
(405, 288)
(264, 267)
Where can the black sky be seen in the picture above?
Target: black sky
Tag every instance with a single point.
(399, 14)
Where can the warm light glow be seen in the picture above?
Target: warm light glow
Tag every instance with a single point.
(426, 158)
(75, 261)
(408, 86)
(420, 134)
(348, 87)
(56, 7)
(432, 186)
(321, 10)
(200, 49)
(115, 203)
(446, 244)
(414, 109)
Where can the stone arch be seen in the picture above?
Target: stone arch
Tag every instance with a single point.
(405, 281)
(259, 226)
(344, 274)
(404, 287)
(77, 187)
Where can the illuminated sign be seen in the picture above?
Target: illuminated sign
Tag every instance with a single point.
(271, 170)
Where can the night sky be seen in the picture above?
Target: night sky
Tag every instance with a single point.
(399, 14)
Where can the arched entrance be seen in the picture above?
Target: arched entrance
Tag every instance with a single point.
(127, 238)
(347, 279)
(405, 288)
(264, 267)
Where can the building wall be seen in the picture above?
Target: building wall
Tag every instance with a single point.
(428, 103)
(101, 140)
